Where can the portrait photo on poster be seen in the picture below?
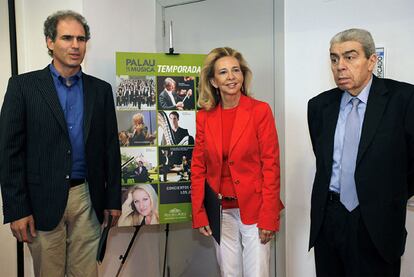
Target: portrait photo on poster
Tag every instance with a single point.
(137, 128)
(139, 165)
(139, 205)
(175, 164)
(176, 127)
(175, 93)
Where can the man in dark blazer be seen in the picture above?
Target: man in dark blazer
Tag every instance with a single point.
(141, 173)
(59, 155)
(168, 98)
(181, 135)
(362, 135)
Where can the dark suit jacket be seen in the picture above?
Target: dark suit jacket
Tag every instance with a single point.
(164, 101)
(141, 177)
(180, 134)
(384, 173)
(35, 150)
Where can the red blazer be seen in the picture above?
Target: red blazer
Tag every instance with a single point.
(253, 161)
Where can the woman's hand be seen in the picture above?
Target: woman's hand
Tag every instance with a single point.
(205, 230)
(266, 235)
(129, 199)
(138, 128)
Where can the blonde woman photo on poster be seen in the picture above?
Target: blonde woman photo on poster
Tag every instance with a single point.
(140, 206)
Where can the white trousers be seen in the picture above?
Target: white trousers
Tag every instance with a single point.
(240, 252)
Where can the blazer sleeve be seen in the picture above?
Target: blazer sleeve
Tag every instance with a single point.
(112, 155)
(409, 125)
(16, 201)
(165, 102)
(269, 218)
(198, 174)
(312, 122)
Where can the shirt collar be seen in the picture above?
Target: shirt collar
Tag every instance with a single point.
(74, 78)
(362, 96)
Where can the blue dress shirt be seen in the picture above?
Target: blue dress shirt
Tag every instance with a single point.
(344, 110)
(70, 93)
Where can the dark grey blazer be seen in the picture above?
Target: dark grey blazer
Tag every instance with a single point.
(164, 101)
(35, 150)
(384, 171)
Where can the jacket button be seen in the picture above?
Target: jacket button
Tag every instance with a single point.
(237, 182)
(231, 162)
(68, 152)
(67, 177)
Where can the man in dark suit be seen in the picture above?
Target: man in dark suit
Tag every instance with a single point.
(59, 155)
(181, 135)
(141, 173)
(165, 164)
(168, 98)
(362, 135)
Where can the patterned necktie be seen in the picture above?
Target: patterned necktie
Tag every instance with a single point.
(348, 192)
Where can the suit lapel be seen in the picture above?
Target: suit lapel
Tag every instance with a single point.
(89, 94)
(377, 101)
(330, 119)
(240, 122)
(48, 91)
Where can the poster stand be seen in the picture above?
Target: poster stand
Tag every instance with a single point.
(124, 257)
(167, 229)
(131, 242)
(167, 226)
(171, 49)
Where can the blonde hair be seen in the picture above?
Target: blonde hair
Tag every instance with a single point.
(138, 117)
(208, 96)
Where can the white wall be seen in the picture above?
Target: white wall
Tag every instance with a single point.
(309, 25)
(30, 16)
(117, 26)
(4, 48)
(279, 112)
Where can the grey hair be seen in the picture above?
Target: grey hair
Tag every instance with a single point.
(50, 25)
(359, 35)
(169, 80)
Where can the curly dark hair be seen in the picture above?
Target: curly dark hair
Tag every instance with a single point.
(50, 25)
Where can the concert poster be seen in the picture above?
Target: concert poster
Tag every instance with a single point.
(155, 98)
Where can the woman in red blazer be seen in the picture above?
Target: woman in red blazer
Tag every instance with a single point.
(236, 151)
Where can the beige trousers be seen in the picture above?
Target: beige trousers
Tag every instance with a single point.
(70, 249)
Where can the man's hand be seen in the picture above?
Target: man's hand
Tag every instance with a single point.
(265, 235)
(179, 106)
(23, 229)
(115, 216)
